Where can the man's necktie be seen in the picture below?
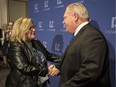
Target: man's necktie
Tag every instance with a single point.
(72, 36)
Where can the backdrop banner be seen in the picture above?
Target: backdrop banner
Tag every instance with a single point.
(48, 16)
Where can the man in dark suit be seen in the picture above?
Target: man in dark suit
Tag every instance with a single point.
(85, 61)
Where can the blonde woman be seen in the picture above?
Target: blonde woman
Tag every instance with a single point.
(26, 67)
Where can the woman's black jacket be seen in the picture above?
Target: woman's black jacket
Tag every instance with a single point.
(24, 65)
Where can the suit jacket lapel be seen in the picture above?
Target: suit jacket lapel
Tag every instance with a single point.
(71, 42)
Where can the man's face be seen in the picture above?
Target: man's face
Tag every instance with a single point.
(10, 25)
(69, 21)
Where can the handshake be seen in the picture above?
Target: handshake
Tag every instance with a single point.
(52, 70)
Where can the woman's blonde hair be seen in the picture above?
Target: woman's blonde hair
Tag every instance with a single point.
(20, 29)
(78, 8)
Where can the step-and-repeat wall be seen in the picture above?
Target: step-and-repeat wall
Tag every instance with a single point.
(48, 16)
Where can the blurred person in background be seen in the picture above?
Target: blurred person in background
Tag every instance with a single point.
(1, 55)
(7, 34)
(10, 25)
(4, 31)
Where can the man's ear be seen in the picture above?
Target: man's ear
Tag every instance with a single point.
(76, 16)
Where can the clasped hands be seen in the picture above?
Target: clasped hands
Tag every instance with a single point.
(53, 70)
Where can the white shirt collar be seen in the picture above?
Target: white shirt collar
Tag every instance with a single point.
(79, 27)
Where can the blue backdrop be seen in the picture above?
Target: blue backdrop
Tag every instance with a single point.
(48, 16)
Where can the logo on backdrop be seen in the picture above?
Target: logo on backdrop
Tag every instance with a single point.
(46, 5)
(57, 44)
(59, 4)
(113, 26)
(82, 1)
(51, 26)
(36, 8)
(45, 44)
(113, 22)
(40, 26)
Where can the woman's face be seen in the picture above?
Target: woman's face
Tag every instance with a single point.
(31, 33)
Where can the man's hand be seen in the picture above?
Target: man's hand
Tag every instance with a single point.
(53, 70)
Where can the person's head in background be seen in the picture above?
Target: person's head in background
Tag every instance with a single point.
(75, 14)
(5, 28)
(23, 30)
(10, 25)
